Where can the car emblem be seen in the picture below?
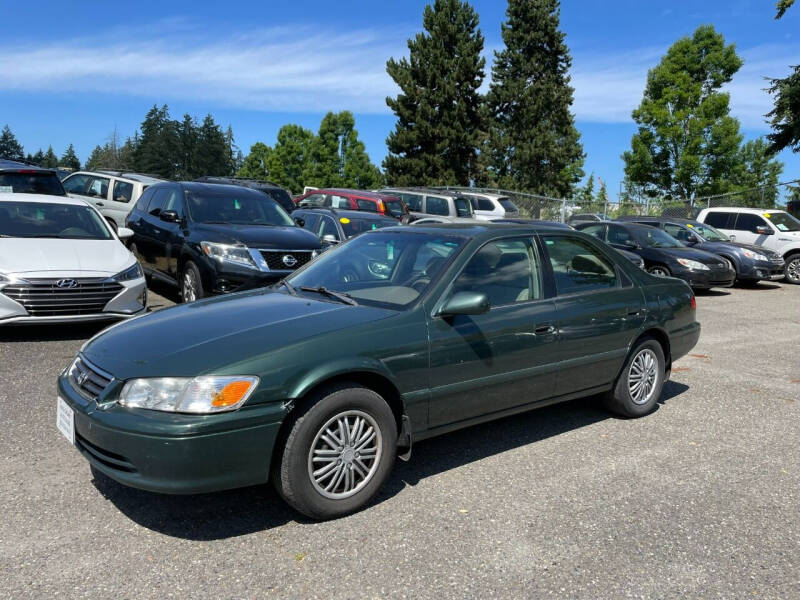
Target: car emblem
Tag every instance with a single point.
(289, 260)
(82, 377)
(66, 283)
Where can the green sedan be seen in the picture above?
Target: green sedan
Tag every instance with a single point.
(318, 383)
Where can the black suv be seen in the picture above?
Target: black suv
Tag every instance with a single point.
(21, 178)
(751, 263)
(273, 190)
(663, 255)
(213, 238)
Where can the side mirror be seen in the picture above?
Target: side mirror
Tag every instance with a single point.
(124, 233)
(466, 303)
(301, 222)
(329, 238)
(764, 230)
(692, 239)
(170, 216)
(633, 245)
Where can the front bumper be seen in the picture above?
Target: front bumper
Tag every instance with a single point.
(756, 270)
(174, 453)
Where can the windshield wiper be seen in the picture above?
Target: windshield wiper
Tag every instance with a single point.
(289, 287)
(341, 296)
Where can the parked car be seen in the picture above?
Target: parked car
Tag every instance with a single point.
(584, 218)
(113, 192)
(774, 230)
(319, 382)
(663, 255)
(520, 221)
(273, 190)
(427, 219)
(424, 203)
(384, 204)
(751, 263)
(212, 239)
(21, 178)
(334, 225)
(61, 262)
(488, 207)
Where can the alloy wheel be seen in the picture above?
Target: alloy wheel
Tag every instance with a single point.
(793, 270)
(642, 376)
(345, 454)
(659, 272)
(189, 289)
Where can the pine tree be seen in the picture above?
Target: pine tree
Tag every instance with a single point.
(187, 159)
(9, 146)
(256, 162)
(438, 109)
(38, 158)
(533, 142)
(212, 152)
(687, 143)
(234, 154)
(50, 160)
(785, 116)
(585, 195)
(158, 150)
(96, 159)
(69, 160)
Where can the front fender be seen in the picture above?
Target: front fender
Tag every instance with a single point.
(337, 368)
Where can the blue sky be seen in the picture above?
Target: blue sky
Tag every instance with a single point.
(71, 75)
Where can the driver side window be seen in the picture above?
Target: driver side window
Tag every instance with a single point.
(679, 233)
(507, 271)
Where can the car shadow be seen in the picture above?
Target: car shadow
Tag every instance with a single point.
(166, 291)
(220, 515)
(53, 332)
(712, 292)
(758, 286)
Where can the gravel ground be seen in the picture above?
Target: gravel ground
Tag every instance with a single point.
(700, 499)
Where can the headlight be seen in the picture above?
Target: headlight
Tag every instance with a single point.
(201, 395)
(755, 255)
(129, 274)
(238, 255)
(693, 264)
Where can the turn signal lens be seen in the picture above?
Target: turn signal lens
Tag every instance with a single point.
(231, 394)
(693, 303)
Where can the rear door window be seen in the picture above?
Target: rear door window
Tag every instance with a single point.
(368, 205)
(436, 206)
(508, 205)
(98, 188)
(413, 201)
(578, 266)
(720, 219)
(123, 191)
(463, 208)
(339, 201)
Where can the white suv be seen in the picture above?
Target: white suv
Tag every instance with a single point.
(113, 193)
(488, 207)
(775, 230)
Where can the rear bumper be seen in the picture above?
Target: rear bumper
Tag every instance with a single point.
(171, 453)
(681, 341)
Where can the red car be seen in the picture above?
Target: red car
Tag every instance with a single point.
(384, 204)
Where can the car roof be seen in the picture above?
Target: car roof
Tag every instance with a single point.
(754, 211)
(240, 181)
(362, 193)
(628, 224)
(13, 165)
(140, 177)
(479, 228)
(214, 188)
(343, 212)
(427, 190)
(40, 198)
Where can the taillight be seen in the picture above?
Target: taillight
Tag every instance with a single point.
(381, 207)
(693, 303)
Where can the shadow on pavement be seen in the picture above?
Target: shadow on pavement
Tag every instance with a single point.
(52, 332)
(239, 512)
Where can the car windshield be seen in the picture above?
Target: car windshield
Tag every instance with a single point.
(352, 226)
(237, 210)
(783, 221)
(656, 238)
(44, 182)
(46, 220)
(389, 268)
(708, 233)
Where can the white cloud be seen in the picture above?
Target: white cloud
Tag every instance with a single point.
(304, 69)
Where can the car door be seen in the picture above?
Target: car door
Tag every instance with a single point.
(120, 201)
(169, 236)
(745, 230)
(148, 229)
(600, 312)
(483, 364)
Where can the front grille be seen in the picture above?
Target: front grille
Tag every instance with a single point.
(277, 259)
(87, 379)
(104, 457)
(63, 297)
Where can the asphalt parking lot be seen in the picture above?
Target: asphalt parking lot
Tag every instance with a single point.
(701, 498)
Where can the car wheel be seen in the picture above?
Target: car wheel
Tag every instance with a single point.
(338, 452)
(191, 284)
(638, 387)
(793, 269)
(659, 271)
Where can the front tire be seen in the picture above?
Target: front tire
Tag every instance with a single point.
(793, 269)
(338, 452)
(191, 283)
(638, 387)
(659, 271)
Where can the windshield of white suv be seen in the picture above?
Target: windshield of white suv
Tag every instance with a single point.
(387, 268)
(707, 232)
(783, 221)
(233, 209)
(45, 220)
(31, 182)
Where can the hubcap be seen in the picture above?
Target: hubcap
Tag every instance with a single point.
(189, 287)
(642, 376)
(658, 271)
(345, 454)
(793, 270)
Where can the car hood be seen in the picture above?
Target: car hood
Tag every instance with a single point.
(264, 236)
(211, 336)
(692, 254)
(733, 247)
(73, 257)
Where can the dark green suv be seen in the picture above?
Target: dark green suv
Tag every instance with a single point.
(394, 336)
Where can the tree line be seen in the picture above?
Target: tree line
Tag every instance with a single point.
(11, 148)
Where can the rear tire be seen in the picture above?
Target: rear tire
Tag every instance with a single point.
(191, 283)
(639, 385)
(327, 469)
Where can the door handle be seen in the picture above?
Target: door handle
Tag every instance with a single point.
(99, 204)
(544, 329)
